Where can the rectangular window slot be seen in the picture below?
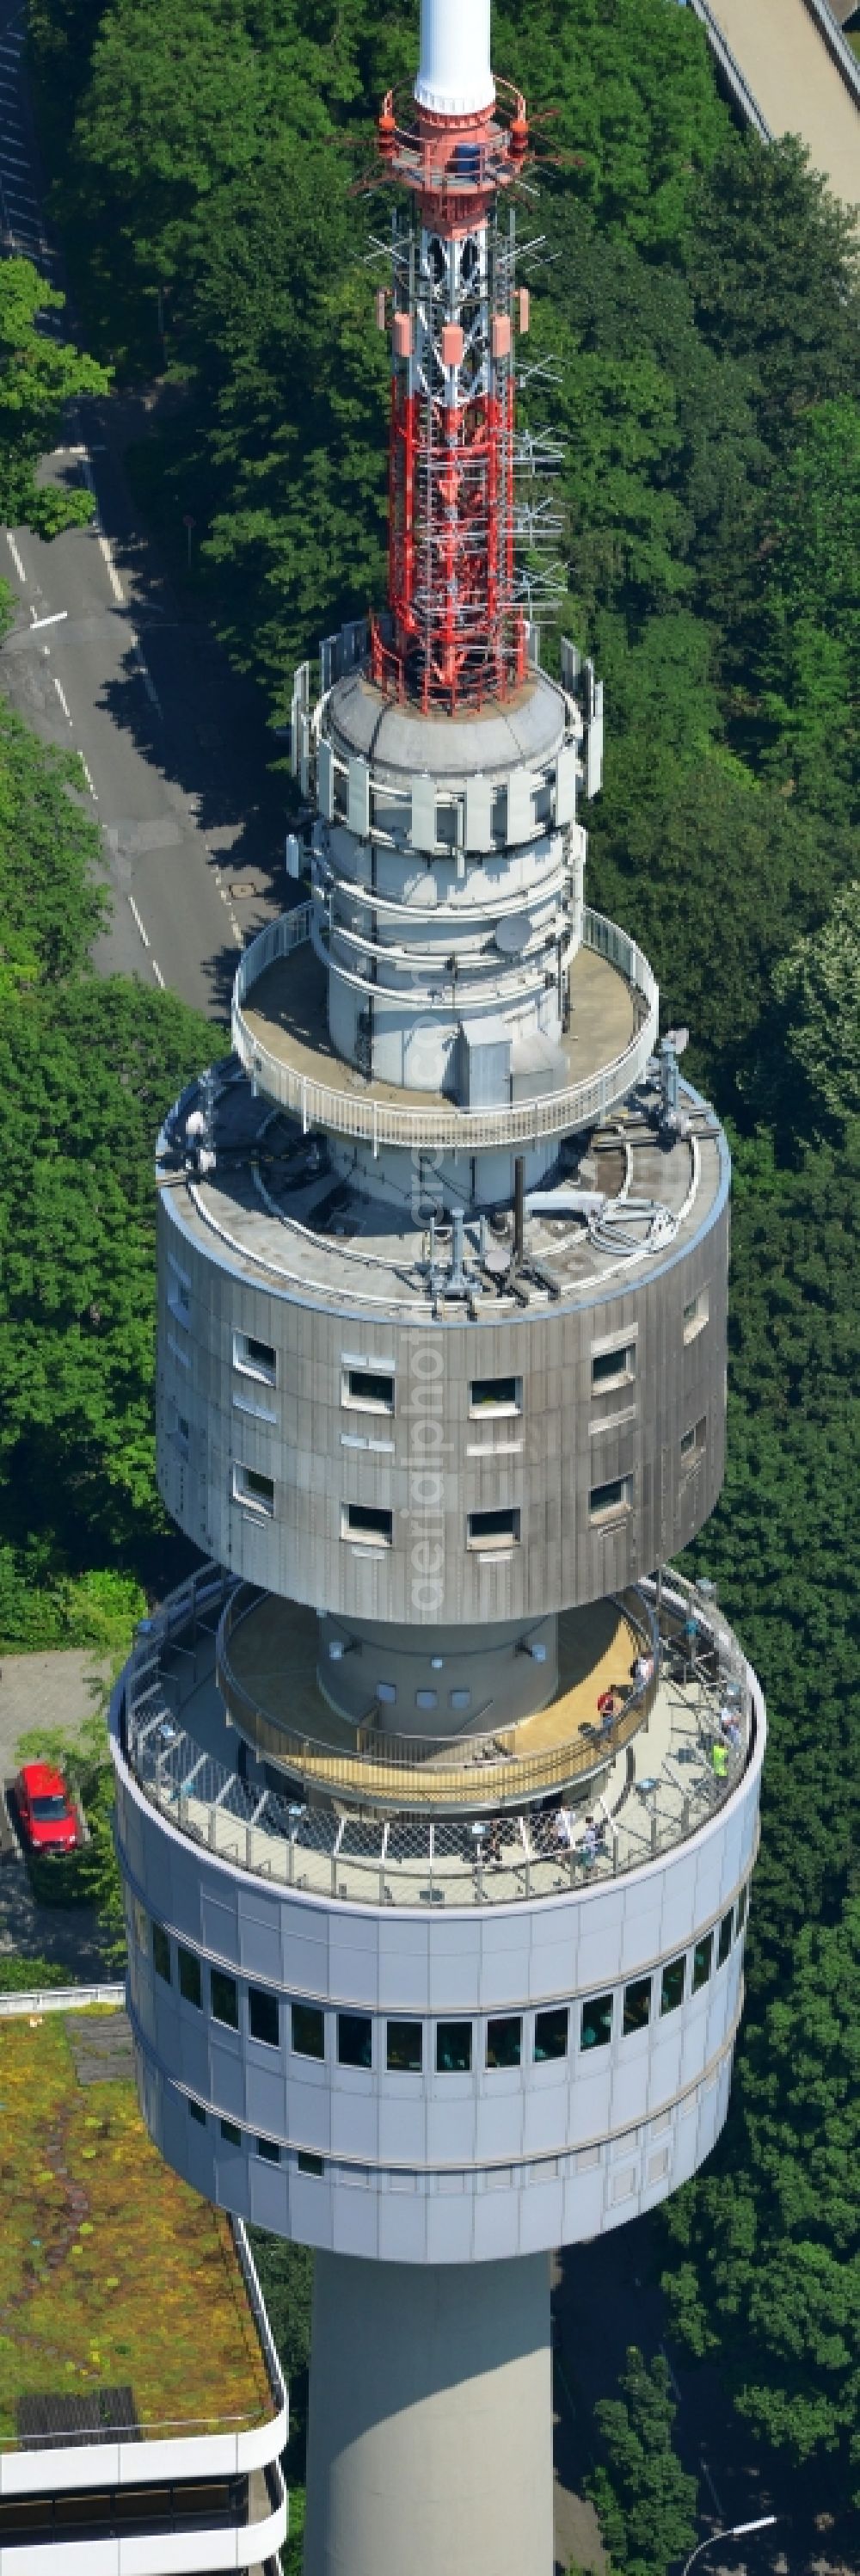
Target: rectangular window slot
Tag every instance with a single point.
(231, 2135)
(307, 2031)
(487, 1529)
(225, 1998)
(404, 2048)
(606, 1502)
(614, 1367)
(259, 1412)
(255, 1491)
(499, 1395)
(270, 2152)
(551, 2030)
(453, 2048)
(505, 2041)
(702, 1956)
(369, 1390)
(354, 2039)
(196, 2112)
(190, 1979)
(255, 1359)
(696, 1315)
(672, 1985)
(596, 2025)
(637, 2005)
(725, 1939)
(263, 2017)
(363, 1521)
(161, 1953)
(309, 2164)
(693, 1442)
(743, 1901)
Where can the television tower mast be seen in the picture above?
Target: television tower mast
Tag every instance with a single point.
(437, 1786)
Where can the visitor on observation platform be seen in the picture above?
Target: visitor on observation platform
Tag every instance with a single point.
(642, 1670)
(720, 1759)
(589, 1841)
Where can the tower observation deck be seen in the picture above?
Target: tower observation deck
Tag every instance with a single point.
(437, 1786)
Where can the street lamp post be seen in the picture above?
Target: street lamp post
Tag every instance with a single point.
(734, 2532)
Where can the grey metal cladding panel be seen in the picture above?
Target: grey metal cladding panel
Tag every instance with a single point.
(423, 826)
(521, 812)
(478, 814)
(358, 798)
(565, 784)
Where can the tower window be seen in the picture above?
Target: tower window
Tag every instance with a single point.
(496, 1395)
(637, 2005)
(254, 1490)
(672, 1985)
(453, 2048)
(596, 2027)
(616, 1367)
(605, 1502)
(255, 1359)
(505, 2041)
(725, 1939)
(404, 2051)
(270, 2152)
(551, 2034)
(225, 1998)
(696, 1315)
(702, 1956)
(263, 2017)
(492, 1529)
(743, 1901)
(371, 1390)
(161, 1953)
(354, 2039)
(308, 2031)
(231, 2135)
(362, 1521)
(190, 1979)
(693, 1442)
(308, 2164)
(196, 2112)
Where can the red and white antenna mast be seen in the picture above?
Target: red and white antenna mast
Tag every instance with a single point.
(459, 633)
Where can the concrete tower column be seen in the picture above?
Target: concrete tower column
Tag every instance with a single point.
(430, 2440)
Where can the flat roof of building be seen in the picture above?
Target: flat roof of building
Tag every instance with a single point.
(119, 2287)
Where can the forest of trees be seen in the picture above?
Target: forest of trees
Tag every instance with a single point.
(703, 302)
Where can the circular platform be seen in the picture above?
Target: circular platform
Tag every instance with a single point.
(267, 1664)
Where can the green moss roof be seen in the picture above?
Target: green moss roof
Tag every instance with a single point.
(112, 2271)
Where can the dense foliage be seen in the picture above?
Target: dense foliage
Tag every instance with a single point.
(38, 376)
(645, 2501)
(703, 304)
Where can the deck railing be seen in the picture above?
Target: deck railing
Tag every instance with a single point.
(351, 1109)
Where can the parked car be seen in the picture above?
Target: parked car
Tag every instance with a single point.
(45, 1812)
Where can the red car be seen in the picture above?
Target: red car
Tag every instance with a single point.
(46, 1815)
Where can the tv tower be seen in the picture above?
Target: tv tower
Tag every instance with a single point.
(437, 1786)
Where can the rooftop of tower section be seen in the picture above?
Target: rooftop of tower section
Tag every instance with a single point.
(275, 1211)
(527, 725)
(123, 2301)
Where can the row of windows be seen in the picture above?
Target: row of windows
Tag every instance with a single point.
(570, 2162)
(371, 1389)
(371, 1525)
(509, 2038)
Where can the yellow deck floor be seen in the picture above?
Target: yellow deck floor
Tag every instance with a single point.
(272, 1656)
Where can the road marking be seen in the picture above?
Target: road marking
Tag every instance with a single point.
(56, 620)
(156, 969)
(140, 926)
(15, 555)
(237, 934)
(62, 697)
(106, 549)
(88, 776)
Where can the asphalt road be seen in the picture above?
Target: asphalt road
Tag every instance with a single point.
(106, 658)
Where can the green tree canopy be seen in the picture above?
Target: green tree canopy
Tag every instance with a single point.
(645, 2501)
(38, 374)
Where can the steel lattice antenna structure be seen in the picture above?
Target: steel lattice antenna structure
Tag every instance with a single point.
(437, 1786)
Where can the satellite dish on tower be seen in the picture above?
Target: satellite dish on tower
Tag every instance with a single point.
(513, 934)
